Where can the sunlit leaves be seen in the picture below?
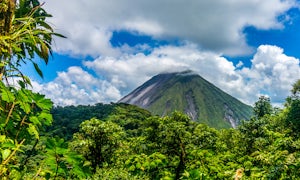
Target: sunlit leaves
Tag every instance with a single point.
(152, 165)
(6, 94)
(20, 122)
(60, 162)
(97, 141)
(33, 131)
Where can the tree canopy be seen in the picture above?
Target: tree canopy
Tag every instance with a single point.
(120, 141)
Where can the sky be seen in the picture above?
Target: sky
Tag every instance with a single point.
(247, 48)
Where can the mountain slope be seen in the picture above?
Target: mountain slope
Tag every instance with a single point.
(189, 93)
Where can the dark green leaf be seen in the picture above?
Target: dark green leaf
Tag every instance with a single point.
(38, 70)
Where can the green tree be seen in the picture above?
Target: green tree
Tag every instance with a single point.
(97, 141)
(293, 106)
(170, 136)
(262, 107)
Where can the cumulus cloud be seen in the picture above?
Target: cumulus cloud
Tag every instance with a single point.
(206, 29)
(76, 86)
(272, 72)
(212, 24)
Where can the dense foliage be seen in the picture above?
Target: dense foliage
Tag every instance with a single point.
(120, 141)
(66, 120)
(129, 143)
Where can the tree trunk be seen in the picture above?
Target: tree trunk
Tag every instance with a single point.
(7, 17)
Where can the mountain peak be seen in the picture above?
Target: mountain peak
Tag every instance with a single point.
(188, 92)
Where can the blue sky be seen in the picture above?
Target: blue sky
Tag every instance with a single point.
(245, 48)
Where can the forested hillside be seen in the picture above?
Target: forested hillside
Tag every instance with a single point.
(66, 120)
(120, 141)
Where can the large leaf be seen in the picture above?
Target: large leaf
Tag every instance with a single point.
(5, 153)
(25, 106)
(32, 131)
(7, 96)
(42, 102)
(47, 117)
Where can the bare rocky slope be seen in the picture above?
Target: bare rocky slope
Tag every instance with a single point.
(189, 93)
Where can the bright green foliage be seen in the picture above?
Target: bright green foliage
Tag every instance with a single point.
(174, 147)
(61, 162)
(171, 136)
(171, 147)
(108, 173)
(98, 141)
(22, 115)
(153, 165)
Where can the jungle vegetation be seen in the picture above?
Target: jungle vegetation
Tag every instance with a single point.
(120, 141)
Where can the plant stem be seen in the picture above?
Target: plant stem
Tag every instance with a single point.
(9, 114)
(13, 153)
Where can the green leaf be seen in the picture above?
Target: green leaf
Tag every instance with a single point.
(32, 131)
(26, 80)
(146, 165)
(7, 96)
(47, 117)
(2, 138)
(25, 106)
(8, 144)
(131, 168)
(5, 153)
(21, 83)
(152, 165)
(24, 100)
(42, 102)
(138, 165)
(34, 120)
(38, 70)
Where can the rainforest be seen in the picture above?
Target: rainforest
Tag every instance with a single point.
(39, 140)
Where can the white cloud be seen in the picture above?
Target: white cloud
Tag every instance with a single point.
(77, 86)
(212, 24)
(215, 26)
(272, 72)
